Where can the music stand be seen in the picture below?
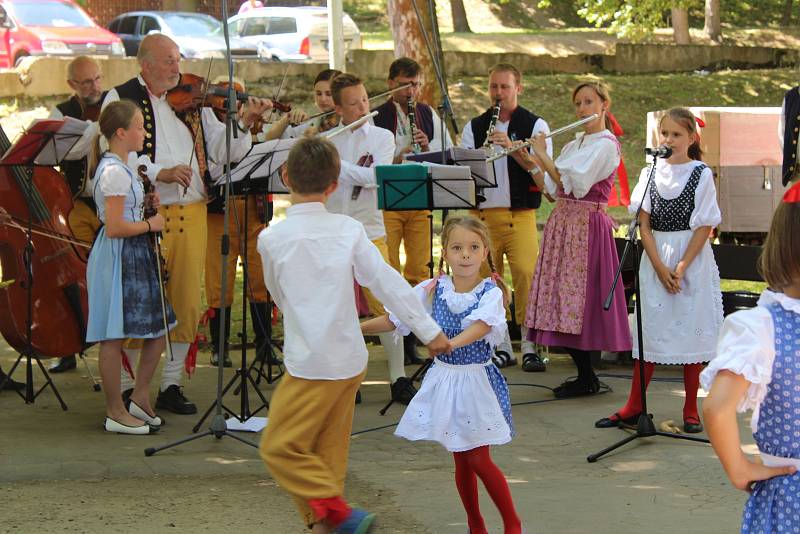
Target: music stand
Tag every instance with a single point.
(254, 174)
(413, 186)
(45, 142)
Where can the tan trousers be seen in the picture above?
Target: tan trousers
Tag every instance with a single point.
(307, 439)
(413, 229)
(184, 246)
(83, 222)
(513, 234)
(257, 291)
(375, 306)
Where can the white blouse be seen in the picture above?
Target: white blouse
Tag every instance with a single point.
(670, 180)
(490, 308)
(746, 347)
(589, 159)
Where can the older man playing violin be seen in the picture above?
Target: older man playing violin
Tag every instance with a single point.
(177, 153)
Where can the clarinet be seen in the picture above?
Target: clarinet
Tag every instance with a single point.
(412, 123)
(487, 145)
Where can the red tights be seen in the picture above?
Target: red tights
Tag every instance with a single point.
(478, 463)
(691, 382)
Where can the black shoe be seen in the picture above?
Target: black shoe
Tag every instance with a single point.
(226, 362)
(126, 398)
(410, 354)
(10, 384)
(358, 397)
(692, 425)
(67, 363)
(172, 400)
(532, 363)
(503, 359)
(576, 388)
(403, 390)
(616, 420)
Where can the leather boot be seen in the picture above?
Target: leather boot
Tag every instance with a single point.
(260, 317)
(214, 326)
(411, 356)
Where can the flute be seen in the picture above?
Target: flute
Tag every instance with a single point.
(358, 122)
(528, 144)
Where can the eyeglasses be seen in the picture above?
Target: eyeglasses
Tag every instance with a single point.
(413, 85)
(86, 84)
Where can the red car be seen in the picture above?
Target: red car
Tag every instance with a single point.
(51, 27)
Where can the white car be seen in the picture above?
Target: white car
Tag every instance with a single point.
(291, 33)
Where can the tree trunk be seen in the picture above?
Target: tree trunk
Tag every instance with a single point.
(460, 22)
(680, 26)
(786, 20)
(409, 42)
(712, 27)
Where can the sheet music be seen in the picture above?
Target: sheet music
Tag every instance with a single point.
(453, 187)
(63, 140)
(475, 159)
(45, 141)
(262, 163)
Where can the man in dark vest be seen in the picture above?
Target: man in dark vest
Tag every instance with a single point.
(509, 210)
(412, 228)
(83, 77)
(790, 127)
(177, 152)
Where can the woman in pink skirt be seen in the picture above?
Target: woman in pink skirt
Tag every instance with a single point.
(578, 257)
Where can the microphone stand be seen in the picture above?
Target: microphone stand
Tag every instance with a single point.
(644, 426)
(218, 427)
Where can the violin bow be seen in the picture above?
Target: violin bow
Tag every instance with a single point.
(159, 259)
(199, 124)
(14, 222)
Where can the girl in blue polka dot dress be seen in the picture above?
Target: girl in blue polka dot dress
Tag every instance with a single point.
(463, 402)
(758, 367)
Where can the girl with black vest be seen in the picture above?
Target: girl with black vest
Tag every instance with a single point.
(509, 210)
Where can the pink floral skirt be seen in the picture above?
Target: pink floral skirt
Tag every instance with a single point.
(574, 272)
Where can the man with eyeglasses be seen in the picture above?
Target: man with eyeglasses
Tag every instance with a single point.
(83, 77)
(410, 227)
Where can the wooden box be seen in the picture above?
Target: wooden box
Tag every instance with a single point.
(742, 147)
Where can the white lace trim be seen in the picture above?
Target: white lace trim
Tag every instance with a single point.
(459, 302)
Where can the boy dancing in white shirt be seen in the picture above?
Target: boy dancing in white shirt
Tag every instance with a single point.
(309, 262)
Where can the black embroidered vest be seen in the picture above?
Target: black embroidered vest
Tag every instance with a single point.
(790, 133)
(523, 190)
(674, 215)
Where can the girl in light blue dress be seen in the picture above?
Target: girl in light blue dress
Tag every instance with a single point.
(758, 368)
(122, 276)
(463, 402)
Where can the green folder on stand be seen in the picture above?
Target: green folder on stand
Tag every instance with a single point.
(403, 187)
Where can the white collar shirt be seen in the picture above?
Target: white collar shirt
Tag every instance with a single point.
(175, 146)
(310, 260)
(357, 194)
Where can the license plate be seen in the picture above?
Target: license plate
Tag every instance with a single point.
(346, 44)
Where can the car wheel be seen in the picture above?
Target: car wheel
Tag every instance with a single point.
(18, 58)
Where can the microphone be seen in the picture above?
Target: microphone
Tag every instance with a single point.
(661, 152)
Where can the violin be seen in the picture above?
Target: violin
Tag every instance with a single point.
(193, 92)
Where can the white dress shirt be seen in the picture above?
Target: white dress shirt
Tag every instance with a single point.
(357, 194)
(175, 146)
(585, 161)
(310, 260)
(500, 196)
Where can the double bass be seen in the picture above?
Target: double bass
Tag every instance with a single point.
(58, 295)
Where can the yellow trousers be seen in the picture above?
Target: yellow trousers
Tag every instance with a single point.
(514, 235)
(375, 306)
(257, 291)
(184, 246)
(413, 229)
(306, 442)
(83, 221)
